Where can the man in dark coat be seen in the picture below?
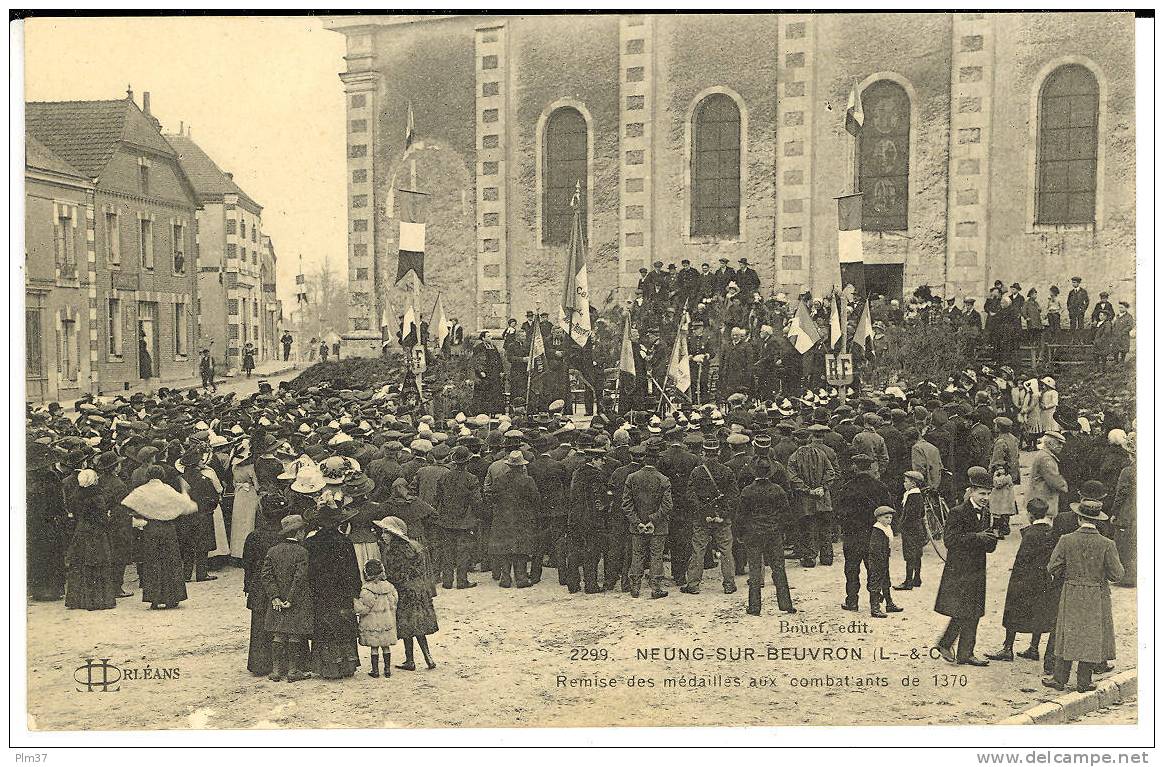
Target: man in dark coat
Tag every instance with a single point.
(1030, 608)
(723, 277)
(747, 280)
(552, 480)
(488, 390)
(764, 517)
(587, 500)
(1077, 303)
(769, 357)
(855, 500)
(735, 366)
(687, 286)
(617, 530)
(677, 464)
(714, 499)
(121, 534)
(647, 504)
(513, 535)
(962, 592)
(458, 504)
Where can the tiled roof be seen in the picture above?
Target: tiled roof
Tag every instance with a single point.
(83, 133)
(207, 178)
(86, 133)
(39, 156)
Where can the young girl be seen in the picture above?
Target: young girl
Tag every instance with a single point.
(376, 607)
(1002, 501)
(913, 529)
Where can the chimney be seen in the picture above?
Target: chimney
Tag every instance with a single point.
(181, 127)
(129, 92)
(229, 175)
(145, 103)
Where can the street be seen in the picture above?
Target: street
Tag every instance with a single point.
(551, 659)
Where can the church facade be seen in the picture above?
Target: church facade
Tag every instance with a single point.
(995, 146)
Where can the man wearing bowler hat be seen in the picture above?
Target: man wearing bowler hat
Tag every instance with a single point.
(962, 592)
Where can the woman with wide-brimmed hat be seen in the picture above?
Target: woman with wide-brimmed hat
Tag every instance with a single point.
(244, 513)
(403, 558)
(335, 583)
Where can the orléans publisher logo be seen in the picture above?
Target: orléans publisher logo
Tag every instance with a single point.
(97, 676)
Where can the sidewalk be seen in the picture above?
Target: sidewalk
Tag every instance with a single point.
(269, 369)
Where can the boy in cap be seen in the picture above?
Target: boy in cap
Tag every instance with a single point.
(913, 529)
(877, 563)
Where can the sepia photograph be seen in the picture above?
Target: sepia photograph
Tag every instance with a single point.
(580, 377)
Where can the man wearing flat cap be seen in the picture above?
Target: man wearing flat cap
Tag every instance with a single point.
(962, 593)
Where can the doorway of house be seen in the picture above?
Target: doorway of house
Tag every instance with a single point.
(149, 361)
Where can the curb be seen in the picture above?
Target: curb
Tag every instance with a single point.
(1121, 687)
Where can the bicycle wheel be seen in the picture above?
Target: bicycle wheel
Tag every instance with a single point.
(935, 521)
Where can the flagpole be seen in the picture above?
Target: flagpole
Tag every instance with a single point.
(674, 348)
(529, 366)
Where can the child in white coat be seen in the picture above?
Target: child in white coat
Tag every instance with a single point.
(376, 607)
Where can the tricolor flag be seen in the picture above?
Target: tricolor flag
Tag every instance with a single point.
(537, 352)
(849, 229)
(413, 209)
(802, 331)
(854, 114)
(409, 130)
(300, 285)
(439, 322)
(864, 334)
(626, 360)
(835, 329)
(679, 369)
(574, 311)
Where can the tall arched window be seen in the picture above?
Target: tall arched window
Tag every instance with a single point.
(1067, 146)
(564, 168)
(883, 158)
(715, 168)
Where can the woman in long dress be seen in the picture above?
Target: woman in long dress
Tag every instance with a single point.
(335, 584)
(404, 566)
(89, 560)
(246, 501)
(157, 507)
(265, 536)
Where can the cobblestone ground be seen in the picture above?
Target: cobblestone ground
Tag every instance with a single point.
(516, 658)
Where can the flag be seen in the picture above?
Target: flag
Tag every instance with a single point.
(864, 334)
(537, 352)
(439, 322)
(626, 360)
(855, 113)
(835, 329)
(413, 209)
(300, 287)
(409, 328)
(802, 331)
(679, 369)
(574, 311)
(849, 229)
(410, 130)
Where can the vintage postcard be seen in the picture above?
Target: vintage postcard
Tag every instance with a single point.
(583, 370)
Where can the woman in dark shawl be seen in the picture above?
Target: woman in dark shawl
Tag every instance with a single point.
(335, 583)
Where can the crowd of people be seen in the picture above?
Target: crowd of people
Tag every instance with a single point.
(348, 509)
(741, 342)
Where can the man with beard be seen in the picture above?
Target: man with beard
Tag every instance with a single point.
(735, 366)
